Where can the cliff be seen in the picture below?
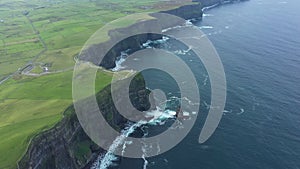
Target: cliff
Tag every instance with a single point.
(207, 3)
(192, 11)
(66, 146)
(133, 43)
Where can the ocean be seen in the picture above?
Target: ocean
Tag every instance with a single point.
(258, 42)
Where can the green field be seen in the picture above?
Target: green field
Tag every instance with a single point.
(49, 34)
(30, 105)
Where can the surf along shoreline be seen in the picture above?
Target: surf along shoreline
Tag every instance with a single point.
(69, 128)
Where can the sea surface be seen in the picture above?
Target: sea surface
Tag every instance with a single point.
(258, 42)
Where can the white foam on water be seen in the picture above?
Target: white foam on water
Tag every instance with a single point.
(159, 117)
(209, 7)
(187, 24)
(179, 52)
(144, 150)
(145, 131)
(205, 80)
(189, 101)
(205, 15)
(148, 43)
(171, 113)
(175, 27)
(227, 111)
(158, 148)
(163, 40)
(120, 60)
(145, 162)
(107, 160)
(241, 111)
(225, 2)
(282, 2)
(183, 52)
(124, 54)
(204, 147)
(185, 113)
(206, 105)
(206, 27)
(125, 145)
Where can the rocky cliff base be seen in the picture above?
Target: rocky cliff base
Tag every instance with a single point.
(66, 146)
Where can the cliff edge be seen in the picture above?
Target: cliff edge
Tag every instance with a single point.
(66, 146)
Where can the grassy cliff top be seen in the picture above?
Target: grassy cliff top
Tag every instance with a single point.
(38, 36)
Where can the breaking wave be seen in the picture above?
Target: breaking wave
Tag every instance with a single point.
(158, 118)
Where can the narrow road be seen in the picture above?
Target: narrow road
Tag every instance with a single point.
(35, 57)
(40, 38)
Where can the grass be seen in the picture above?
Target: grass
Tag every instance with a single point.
(82, 149)
(30, 105)
(61, 25)
(15, 138)
(51, 34)
(102, 34)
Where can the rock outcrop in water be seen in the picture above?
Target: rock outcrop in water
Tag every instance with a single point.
(66, 146)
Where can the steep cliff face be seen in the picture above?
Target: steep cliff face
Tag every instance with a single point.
(207, 3)
(66, 146)
(193, 11)
(187, 12)
(58, 147)
(134, 43)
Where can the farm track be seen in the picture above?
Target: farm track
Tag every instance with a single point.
(34, 58)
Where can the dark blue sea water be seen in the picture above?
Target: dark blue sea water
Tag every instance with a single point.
(258, 42)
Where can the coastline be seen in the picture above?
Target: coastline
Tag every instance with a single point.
(70, 122)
